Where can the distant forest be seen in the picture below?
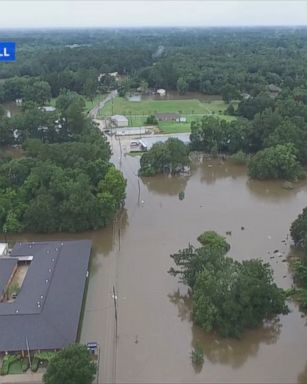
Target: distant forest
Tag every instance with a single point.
(221, 61)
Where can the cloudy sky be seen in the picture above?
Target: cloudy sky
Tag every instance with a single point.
(121, 13)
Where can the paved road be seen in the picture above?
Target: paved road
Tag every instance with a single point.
(26, 378)
(94, 112)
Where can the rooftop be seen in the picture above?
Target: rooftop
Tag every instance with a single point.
(119, 118)
(48, 307)
(148, 142)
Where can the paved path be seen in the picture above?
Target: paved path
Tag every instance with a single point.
(25, 378)
(94, 112)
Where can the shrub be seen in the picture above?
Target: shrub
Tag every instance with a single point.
(239, 158)
(35, 364)
(197, 355)
(25, 364)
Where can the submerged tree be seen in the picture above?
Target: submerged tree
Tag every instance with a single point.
(227, 296)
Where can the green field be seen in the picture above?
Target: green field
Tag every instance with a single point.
(174, 127)
(138, 111)
(122, 106)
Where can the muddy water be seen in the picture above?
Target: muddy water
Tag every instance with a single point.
(155, 334)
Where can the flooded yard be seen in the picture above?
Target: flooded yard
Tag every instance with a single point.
(154, 336)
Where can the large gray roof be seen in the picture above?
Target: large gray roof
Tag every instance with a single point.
(48, 307)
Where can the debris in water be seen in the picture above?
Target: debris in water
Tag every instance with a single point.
(269, 237)
(242, 228)
(228, 233)
(181, 195)
(136, 339)
(276, 251)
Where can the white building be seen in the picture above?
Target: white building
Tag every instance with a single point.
(161, 92)
(147, 142)
(48, 108)
(119, 121)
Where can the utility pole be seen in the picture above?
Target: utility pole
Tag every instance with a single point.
(115, 309)
(139, 187)
(121, 153)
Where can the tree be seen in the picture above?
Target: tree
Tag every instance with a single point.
(170, 156)
(277, 162)
(151, 120)
(214, 241)
(227, 296)
(144, 87)
(72, 365)
(182, 85)
(236, 296)
(298, 230)
(39, 92)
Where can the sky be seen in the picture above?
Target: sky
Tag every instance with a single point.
(160, 13)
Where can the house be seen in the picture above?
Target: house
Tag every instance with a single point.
(182, 119)
(167, 116)
(119, 121)
(45, 314)
(273, 90)
(245, 95)
(161, 92)
(48, 108)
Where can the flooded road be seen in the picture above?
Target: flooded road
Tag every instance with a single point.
(155, 334)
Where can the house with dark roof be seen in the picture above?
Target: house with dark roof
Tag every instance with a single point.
(172, 116)
(46, 312)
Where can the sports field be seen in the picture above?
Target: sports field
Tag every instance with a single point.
(192, 109)
(122, 106)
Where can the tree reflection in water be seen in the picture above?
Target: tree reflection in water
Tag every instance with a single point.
(228, 351)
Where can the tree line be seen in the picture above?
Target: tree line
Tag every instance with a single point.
(223, 61)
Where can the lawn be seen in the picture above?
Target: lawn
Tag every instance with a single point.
(15, 367)
(122, 106)
(136, 121)
(174, 127)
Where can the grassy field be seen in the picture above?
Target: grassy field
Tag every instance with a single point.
(174, 127)
(192, 109)
(122, 106)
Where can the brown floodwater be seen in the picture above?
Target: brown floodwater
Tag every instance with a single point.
(155, 334)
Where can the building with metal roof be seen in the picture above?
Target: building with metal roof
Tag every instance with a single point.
(45, 314)
(147, 142)
(119, 121)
